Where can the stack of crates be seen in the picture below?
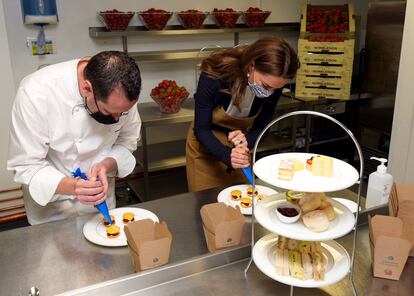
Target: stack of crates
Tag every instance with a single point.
(326, 52)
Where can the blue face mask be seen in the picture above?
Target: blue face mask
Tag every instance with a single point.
(258, 90)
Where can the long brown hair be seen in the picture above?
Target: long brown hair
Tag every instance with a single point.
(272, 56)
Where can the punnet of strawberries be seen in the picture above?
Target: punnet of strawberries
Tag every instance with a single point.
(169, 96)
(327, 19)
(115, 20)
(255, 17)
(154, 19)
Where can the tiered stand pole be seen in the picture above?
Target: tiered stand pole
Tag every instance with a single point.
(361, 169)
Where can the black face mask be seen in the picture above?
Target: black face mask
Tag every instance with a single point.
(99, 116)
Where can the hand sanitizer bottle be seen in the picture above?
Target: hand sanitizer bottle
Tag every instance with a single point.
(379, 185)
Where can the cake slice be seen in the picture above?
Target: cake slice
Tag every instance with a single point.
(285, 171)
(322, 166)
(297, 165)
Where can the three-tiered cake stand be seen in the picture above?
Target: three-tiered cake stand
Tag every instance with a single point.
(338, 262)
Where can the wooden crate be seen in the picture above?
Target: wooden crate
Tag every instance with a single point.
(306, 46)
(307, 93)
(349, 8)
(319, 69)
(326, 67)
(330, 81)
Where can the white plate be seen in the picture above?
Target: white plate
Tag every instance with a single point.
(265, 213)
(267, 168)
(225, 196)
(338, 262)
(350, 204)
(95, 232)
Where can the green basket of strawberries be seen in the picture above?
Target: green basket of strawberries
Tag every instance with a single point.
(169, 96)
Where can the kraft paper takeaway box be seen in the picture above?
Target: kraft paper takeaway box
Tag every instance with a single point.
(222, 224)
(149, 243)
(389, 248)
(401, 205)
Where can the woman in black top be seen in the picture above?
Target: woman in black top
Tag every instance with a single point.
(236, 97)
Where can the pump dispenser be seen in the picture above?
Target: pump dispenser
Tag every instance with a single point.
(379, 185)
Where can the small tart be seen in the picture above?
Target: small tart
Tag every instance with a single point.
(128, 217)
(250, 191)
(246, 202)
(106, 223)
(236, 194)
(112, 231)
(261, 196)
(294, 196)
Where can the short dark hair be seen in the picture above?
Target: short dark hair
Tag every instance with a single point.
(108, 70)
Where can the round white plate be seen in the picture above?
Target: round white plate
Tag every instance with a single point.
(267, 168)
(265, 213)
(95, 232)
(225, 196)
(338, 262)
(350, 204)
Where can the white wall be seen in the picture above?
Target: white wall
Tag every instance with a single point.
(72, 41)
(7, 93)
(402, 138)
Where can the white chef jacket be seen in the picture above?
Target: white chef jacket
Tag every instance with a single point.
(52, 134)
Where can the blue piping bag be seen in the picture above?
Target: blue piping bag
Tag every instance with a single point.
(248, 173)
(102, 207)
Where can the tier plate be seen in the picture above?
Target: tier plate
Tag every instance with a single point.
(265, 213)
(225, 196)
(338, 262)
(267, 168)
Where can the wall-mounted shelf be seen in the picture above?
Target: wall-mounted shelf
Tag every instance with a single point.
(102, 32)
(141, 31)
(170, 55)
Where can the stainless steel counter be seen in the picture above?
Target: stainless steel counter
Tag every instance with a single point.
(56, 258)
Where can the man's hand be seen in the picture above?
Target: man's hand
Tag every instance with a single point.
(89, 192)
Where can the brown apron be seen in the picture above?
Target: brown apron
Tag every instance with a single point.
(205, 170)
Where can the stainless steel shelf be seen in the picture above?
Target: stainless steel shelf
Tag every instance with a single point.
(168, 55)
(102, 32)
(163, 156)
(151, 115)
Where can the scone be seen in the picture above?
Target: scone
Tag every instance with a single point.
(316, 221)
(327, 207)
(128, 217)
(112, 231)
(311, 201)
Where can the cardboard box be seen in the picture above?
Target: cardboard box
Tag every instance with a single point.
(389, 248)
(401, 205)
(149, 243)
(223, 225)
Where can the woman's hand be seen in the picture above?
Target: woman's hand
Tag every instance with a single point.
(237, 138)
(239, 157)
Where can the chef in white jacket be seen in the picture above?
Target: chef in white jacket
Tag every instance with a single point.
(80, 113)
